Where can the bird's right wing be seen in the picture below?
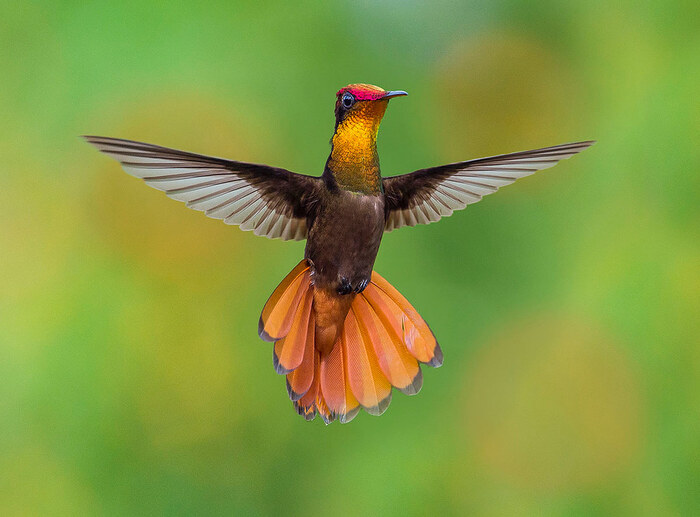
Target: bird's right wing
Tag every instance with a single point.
(272, 202)
(427, 195)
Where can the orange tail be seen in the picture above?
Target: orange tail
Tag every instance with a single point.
(382, 341)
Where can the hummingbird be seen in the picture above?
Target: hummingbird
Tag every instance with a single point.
(343, 336)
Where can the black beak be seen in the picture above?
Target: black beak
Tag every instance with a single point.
(393, 93)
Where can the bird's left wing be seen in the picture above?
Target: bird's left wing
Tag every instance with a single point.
(272, 202)
(426, 195)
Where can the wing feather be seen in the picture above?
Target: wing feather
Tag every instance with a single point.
(426, 195)
(269, 201)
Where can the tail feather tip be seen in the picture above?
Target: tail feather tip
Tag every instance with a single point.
(327, 419)
(309, 413)
(415, 386)
(381, 407)
(293, 395)
(281, 370)
(261, 332)
(436, 361)
(345, 418)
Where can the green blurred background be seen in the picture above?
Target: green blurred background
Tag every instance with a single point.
(132, 379)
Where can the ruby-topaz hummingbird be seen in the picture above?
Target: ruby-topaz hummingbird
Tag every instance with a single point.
(342, 334)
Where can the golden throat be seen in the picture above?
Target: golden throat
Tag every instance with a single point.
(354, 161)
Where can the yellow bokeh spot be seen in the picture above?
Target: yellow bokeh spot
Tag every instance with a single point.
(502, 92)
(553, 404)
(35, 482)
(186, 384)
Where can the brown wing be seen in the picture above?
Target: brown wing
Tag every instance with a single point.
(269, 201)
(426, 195)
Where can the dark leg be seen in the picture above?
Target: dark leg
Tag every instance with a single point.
(344, 287)
(361, 285)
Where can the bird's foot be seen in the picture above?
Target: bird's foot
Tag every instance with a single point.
(345, 287)
(361, 285)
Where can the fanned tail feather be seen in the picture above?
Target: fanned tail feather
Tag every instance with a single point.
(366, 380)
(306, 405)
(382, 342)
(416, 334)
(278, 314)
(398, 366)
(288, 352)
(335, 386)
(300, 379)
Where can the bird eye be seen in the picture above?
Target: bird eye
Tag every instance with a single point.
(348, 99)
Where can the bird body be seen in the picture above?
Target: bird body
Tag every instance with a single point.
(342, 245)
(343, 335)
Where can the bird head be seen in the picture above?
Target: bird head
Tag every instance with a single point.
(360, 107)
(354, 163)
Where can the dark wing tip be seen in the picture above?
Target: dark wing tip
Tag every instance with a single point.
(585, 144)
(94, 139)
(102, 142)
(90, 139)
(574, 147)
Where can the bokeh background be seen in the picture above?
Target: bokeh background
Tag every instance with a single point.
(132, 380)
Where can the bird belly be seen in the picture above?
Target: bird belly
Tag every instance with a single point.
(342, 245)
(344, 239)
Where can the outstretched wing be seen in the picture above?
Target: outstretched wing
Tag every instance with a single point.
(269, 201)
(426, 195)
